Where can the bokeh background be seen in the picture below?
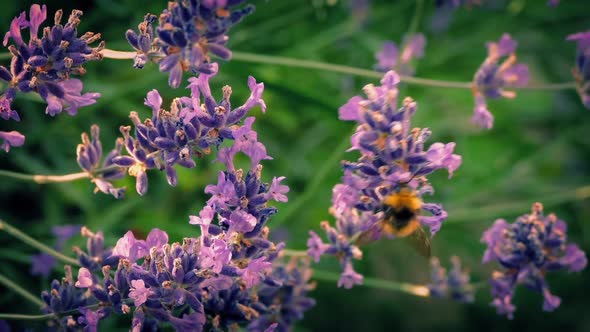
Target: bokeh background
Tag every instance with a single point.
(538, 150)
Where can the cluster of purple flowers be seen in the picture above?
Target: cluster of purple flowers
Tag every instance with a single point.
(581, 71)
(455, 284)
(45, 66)
(232, 276)
(227, 277)
(492, 77)
(187, 31)
(393, 157)
(526, 250)
(191, 128)
(390, 57)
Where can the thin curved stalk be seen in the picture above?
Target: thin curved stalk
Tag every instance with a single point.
(36, 244)
(10, 285)
(42, 179)
(26, 317)
(416, 290)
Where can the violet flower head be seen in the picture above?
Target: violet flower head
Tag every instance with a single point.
(481, 115)
(498, 71)
(581, 71)
(187, 32)
(139, 293)
(527, 250)
(191, 128)
(455, 284)
(350, 277)
(102, 172)
(64, 297)
(10, 139)
(84, 278)
(210, 282)
(142, 41)
(45, 64)
(391, 58)
(286, 303)
(394, 157)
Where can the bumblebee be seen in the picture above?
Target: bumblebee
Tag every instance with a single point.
(401, 210)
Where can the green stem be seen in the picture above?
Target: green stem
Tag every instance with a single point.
(10, 285)
(60, 314)
(290, 62)
(417, 290)
(36, 244)
(26, 317)
(42, 179)
(548, 87)
(464, 215)
(294, 253)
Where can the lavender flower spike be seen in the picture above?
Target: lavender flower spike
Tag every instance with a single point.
(187, 32)
(45, 64)
(89, 157)
(526, 250)
(455, 284)
(492, 77)
(581, 71)
(393, 158)
(190, 128)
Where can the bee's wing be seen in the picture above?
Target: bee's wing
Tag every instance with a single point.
(374, 233)
(420, 241)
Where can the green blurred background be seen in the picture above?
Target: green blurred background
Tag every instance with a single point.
(538, 150)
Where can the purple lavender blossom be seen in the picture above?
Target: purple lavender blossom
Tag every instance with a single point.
(228, 276)
(84, 278)
(138, 292)
(390, 58)
(89, 156)
(90, 318)
(526, 250)
(45, 65)
(64, 297)
(455, 284)
(142, 41)
(492, 77)
(481, 115)
(349, 277)
(393, 156)
(286, 303)
(581, 71)
(255, 271)
(191, 128)
(187, 32)
(12, 138)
